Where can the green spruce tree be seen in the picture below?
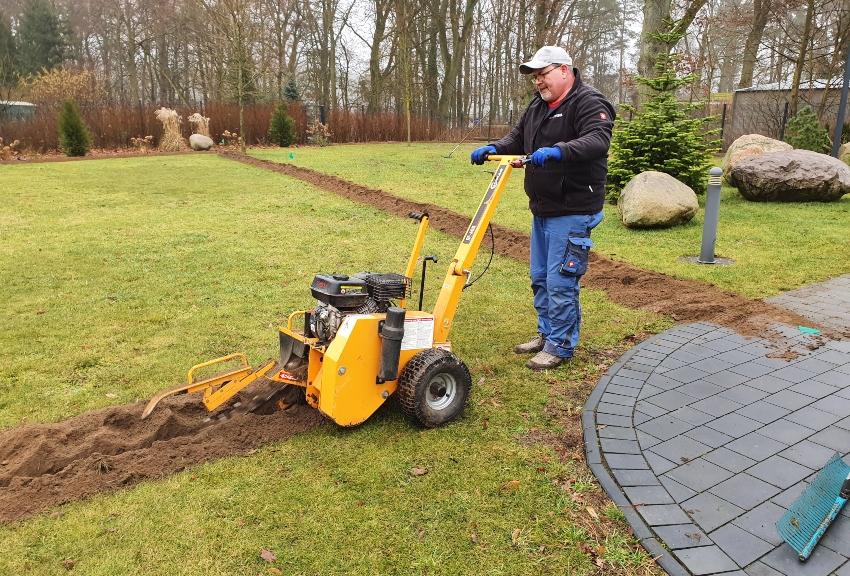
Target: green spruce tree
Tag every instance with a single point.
(41, 37)
(290, 91)
(74, 137)
(8, 54)
(663, 136)
(282, 127)
(805, 132)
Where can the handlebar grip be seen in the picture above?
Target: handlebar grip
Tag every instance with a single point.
(417, 215)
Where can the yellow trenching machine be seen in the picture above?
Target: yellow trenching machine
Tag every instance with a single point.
(356, 348)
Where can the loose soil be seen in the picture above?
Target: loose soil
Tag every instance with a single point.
(42, 466)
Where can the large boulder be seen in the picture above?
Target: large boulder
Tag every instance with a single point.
(795, 176)
(200, 142)
(656, 200)
(750, 145)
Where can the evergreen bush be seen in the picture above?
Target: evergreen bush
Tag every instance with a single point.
(290, 91)
(74, 137)
(663, 136)
(282, 127)
(805, 132)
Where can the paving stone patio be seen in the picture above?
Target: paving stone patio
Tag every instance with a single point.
(826, 303)
(703, 437)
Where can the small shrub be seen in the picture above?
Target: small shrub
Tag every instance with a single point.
(201, 124)
(663, 136)
(805, 132)
(229, 138)
(142, 144)
(74, 137)
(10, 151)
(282, 127)
(318, 134)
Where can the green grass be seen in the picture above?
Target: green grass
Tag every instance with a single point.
(776, 247)
(120, 274)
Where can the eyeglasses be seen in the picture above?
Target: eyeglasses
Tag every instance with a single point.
(535, 78)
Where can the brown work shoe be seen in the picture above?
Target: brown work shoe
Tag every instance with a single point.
(544, 361)
(530, 347)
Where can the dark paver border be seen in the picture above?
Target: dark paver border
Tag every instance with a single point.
(641, 529)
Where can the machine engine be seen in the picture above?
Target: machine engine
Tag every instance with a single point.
(339, 295)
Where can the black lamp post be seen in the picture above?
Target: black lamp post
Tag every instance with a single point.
(842, 109)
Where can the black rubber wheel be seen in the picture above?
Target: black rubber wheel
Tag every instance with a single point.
(433, 387)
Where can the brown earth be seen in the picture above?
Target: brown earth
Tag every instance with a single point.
(48, 464)
(45, 465)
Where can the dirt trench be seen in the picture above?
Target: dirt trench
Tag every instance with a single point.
(682, 300)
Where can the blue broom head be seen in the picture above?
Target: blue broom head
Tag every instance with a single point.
(802, 520)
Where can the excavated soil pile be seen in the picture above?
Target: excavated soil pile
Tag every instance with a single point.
(49, 464)
(682, 300)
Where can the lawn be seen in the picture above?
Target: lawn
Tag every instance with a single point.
(776, 247)
(120, 274)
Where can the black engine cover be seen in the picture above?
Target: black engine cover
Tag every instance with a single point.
(340, 291)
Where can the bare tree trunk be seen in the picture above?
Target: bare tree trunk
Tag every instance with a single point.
(761, 13)
(801, 59)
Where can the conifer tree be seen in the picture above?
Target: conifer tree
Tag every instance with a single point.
(663, 136)
(8, 59)
(41, 37)
(290, 91)
(805, 132)
(74, 137)
(282, 127)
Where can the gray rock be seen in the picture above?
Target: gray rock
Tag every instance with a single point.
(795, 176)
(656, 200)
(200, 142)
(750, 145)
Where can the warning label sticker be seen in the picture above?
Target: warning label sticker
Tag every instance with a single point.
(418, 333)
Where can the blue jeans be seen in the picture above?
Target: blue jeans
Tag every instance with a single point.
(559, 249)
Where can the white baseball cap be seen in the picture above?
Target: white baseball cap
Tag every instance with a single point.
(544, 57)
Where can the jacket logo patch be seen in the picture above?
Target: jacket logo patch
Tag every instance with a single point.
(558, 115)
(603, 115)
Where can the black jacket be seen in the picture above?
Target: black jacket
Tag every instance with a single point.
(581, 127)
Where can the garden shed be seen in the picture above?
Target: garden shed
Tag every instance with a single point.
(14, 110)
(764, 109)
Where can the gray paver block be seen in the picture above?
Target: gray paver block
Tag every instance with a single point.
(629, 382)
(677, 491)
(789, 495)
(760, 569)
(716, 406)
(701, 389)
(613, 446)
(772, 362)
(712, 365)
(611, 398)
(726, 378)
(822, 562)
(736, 356)
(788, 399)
(813, 418)
(836, 438)
(793, 373)
(844, 570)
(613, 420)
(686, 374)
(756, 446)
(663, 514)
(659, 464)
(834, 357)
(779, 471)
(646, 441)
(665, 427)
(833, 378)
(808, 454)
(616, 432)
(745, 491)
(639, 367)
(709, 511)
(705, 560)
(672, 399)
(647, 391)
(699, 474)
(726, 343)
(626, 461)
(837, 537)
(813, 388)
(635, 477)
(648, 495)
(786, 431)
(734, 425)
(769, 384)
(682, 536)
(650, 409)
(710, 437)
(691, 416)
(740, 545)
(729, 460)
(763, 412)
(639, 418)
(663, 382)
(761, 522)
(681, 449)
(626, 373)
(834, 405)
(614, 409)
(814, 365)
(752, 369)
(743, 394)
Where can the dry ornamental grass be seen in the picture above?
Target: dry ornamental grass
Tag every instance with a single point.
(171, 140)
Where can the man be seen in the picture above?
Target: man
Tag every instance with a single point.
(567, 130)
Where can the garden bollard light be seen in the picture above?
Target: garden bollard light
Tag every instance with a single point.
(712, 212)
